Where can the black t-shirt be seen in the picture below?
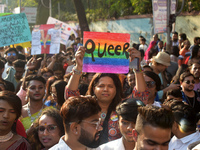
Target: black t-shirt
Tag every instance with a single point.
(194, 102)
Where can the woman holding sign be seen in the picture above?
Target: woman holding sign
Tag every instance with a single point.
(108, 91)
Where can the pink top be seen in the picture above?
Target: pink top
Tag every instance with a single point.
(22, 95)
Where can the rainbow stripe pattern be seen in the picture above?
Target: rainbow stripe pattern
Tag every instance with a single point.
(106, 52)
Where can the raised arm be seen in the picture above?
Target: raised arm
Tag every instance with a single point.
(139, 78)
(76, 72)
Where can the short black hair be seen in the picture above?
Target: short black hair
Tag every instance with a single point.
(154, 116)
(184, 115)
(34, 77)
(19, 63)
(128, 109)
(10, 50)
(175, 32)
(183, 36)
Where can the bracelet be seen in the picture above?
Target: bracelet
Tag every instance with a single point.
(138, 71)
(75, 71)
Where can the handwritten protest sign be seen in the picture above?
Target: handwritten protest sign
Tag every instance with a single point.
(66, 30)
(106, 52)
(47, 35)
(14, 29)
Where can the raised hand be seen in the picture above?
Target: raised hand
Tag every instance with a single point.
(33, 63)
(134, 53)
(79, 57)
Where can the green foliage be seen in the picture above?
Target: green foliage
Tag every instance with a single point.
(142, 6)
(28, 3)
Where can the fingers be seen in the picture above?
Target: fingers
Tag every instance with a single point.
(80, 52)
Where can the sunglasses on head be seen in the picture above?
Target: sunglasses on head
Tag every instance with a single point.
(50, 128)
(188, 82)
(11, 54)
(150, 84)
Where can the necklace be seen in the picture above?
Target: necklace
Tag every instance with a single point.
(6, 137)
(103, 115)
(29, 113)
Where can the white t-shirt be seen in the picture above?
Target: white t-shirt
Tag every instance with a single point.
(113, 145)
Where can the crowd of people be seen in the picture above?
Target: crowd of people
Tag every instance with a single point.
(47, 102)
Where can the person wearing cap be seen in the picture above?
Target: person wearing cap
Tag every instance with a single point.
(127, 112)
(159, 64)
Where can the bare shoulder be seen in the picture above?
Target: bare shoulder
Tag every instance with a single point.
(24, 111)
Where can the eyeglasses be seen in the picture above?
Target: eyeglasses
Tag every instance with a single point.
(50, 128)
(150, 84)
(11, 54)
(188, 82)
(97, 124)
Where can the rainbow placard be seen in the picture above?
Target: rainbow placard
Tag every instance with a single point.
(106, 52)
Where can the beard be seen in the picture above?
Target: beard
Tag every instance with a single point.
(189, 89)
(87, 139)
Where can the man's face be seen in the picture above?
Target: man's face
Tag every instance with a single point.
(195, 70)
(151, 87)
(11, 57)
(155, 37)
(152, 138)
(131, 80)
(126, 127)
(175, 37)
(90, 132)
(19, 73)
(59, 74)
(36, 90)
(160, 45)
(188, 84)
(161, 67)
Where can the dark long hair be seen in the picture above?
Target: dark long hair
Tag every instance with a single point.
(60, 89)
(50, 81)
(119, 93)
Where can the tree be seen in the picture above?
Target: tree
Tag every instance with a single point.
(81, 16)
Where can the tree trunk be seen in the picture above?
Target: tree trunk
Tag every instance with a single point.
(81, 16)
(42, 12)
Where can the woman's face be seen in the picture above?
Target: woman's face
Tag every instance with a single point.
(48, 131)
(53, 93)
(7, 117)
(105, 90)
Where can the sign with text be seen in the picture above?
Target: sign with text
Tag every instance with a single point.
(159, 16)
(31, 13)
(106, 52)
(50, 43)
(14, 29)
(66, 30)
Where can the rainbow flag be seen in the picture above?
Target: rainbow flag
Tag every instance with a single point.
(106, 52)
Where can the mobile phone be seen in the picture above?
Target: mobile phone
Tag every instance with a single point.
(134, 64)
